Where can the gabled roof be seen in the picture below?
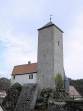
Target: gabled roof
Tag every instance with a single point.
(49, 24)
(25, 69)
(73, 91)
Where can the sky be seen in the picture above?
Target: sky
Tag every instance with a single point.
(19, 21)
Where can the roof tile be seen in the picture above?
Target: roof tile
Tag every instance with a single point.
(25, 68)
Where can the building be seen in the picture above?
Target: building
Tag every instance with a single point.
(50, 59)
(74, 93)
(23, 74)
(50, 54)
(2, 95)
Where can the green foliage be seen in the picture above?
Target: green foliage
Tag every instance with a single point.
(42, 100)
(46, 92)
(59, 83)
(10, 100)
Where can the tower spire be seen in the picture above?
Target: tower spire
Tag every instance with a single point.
(51, 17)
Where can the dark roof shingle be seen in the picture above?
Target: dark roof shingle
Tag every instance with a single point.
(49, 24)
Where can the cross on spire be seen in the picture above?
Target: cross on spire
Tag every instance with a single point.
(51, 17)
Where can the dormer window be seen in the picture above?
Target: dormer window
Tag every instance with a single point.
(30, 76)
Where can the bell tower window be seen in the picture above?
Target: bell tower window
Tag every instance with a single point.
(58, 43)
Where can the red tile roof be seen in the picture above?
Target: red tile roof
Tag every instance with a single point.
(25, 68)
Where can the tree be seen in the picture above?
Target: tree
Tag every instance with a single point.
(10, 100)
(4, 84)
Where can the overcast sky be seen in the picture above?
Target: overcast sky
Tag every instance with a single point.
(19, 21)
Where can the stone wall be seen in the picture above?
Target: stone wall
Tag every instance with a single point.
(27, 99)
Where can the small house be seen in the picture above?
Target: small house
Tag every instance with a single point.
(24, 74)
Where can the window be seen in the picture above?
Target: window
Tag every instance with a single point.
(14, 77)
(30, 76)
(58, 43)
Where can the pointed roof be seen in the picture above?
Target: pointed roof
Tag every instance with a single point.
(49, 24)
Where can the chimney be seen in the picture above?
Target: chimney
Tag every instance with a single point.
(29, 62)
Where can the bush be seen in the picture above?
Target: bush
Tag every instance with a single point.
(59, 83)
(10, 100)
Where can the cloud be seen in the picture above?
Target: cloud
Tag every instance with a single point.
(73, 48)
(19, 49)
(19, 20)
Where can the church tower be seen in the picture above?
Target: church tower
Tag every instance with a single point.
(50, 54)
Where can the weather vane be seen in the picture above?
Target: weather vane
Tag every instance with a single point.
(51, 17)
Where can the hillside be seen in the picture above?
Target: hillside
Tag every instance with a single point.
(4, 83)
(78, 84)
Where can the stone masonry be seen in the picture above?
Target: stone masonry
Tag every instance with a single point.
(50, 55)
(27, 99)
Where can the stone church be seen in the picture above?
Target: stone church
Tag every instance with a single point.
(49, 59)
